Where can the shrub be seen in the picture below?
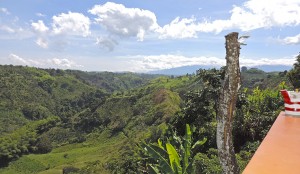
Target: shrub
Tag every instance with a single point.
(70, 169)
(44, 144)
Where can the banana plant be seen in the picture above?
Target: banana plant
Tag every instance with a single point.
(169, 160)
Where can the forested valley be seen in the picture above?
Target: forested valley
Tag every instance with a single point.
(69, 121)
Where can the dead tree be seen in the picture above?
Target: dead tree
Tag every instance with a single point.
(226, 108)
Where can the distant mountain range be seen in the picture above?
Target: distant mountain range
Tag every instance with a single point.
(192, 69)
(271, 68)
(181, 70)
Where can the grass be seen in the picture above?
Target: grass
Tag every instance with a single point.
(99, 147)
(169, 83)
(139, 108)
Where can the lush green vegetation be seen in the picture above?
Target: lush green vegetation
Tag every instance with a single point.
(87, 122)
(167, 157)
(294, 74)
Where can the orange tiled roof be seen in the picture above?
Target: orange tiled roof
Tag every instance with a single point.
(279, 153)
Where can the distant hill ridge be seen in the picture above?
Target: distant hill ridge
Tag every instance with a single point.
(192, 69)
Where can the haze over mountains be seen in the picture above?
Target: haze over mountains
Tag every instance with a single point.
(192, 69)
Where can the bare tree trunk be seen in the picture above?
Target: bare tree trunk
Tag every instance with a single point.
(226, 109)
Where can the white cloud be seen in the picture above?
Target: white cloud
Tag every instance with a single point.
(42, 42)
(7, 29)
(40, 15)
(64, 63)
(17, 59)
(106, 42)
(39, 26)
(5, 11)
(256, 14)
(10, 27)
(21, 61)
(66, 24)
(292, 40)
(14, 33)
(71, 23)
(253, 14)
(184, 28)
(158, 62)
(266, 61)
(125, 22)
(41, 30)
(49, 63)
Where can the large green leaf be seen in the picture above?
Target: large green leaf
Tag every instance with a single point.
(199, 143)
(160, 143)
(173, 157)
(190, 169)
(161, 151)
(163, 163)
(187, 146)
(153, 169)
(177, 169)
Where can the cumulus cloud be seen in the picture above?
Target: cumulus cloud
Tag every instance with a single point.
(42, 42)
(39, 26)
(11, 28)
(266, 61)
(179, 28)
(40, 15)
(125, 22)
(71, 23)
(5, 11)
(21, 61)
(253, 14)
(106, 42)
(158, 62)
(14, 32)
(264, 14)
(62, 24)
(256, 14)
(41, 30)
(65, 63)
(49, 63)
(7, 29)
(17, 59)
(293, 40)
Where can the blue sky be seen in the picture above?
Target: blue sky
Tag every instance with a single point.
(142, 36)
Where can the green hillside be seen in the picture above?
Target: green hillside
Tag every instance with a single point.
(112, 82)
(81, 122)
(90, 124)
(29, 94)
(254, 77)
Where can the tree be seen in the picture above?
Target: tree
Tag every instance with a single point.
(200, 110)
(227, 102)
(255, 113)
(294, 74)
(244, 69)
(43, 144)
